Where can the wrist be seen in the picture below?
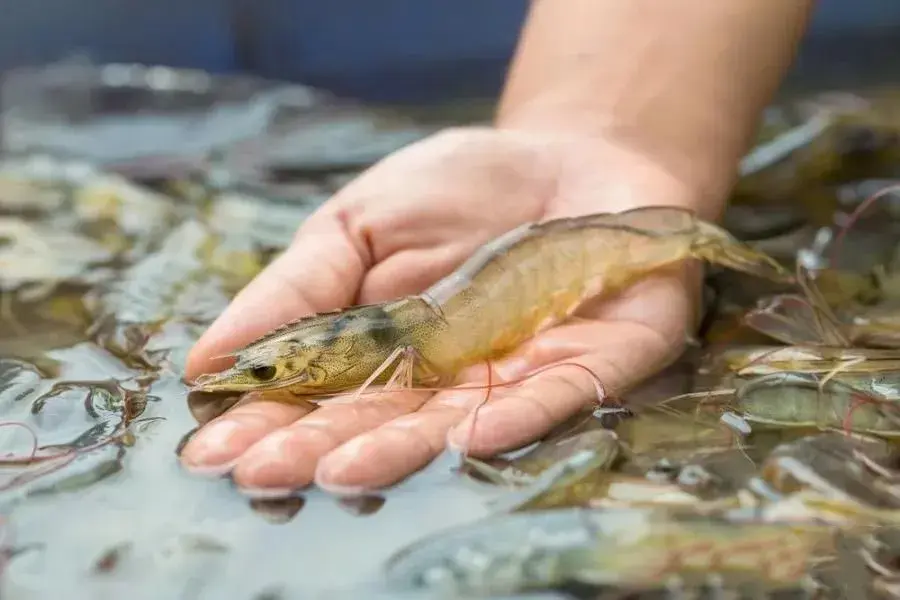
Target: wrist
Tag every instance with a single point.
(681, 84)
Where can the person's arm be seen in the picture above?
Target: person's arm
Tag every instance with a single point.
(683, 83)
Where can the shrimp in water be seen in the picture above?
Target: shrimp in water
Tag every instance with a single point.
(513, 287)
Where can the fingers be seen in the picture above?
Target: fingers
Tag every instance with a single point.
(514, 416)
(381, 439)
(364, 445)
(402, 446)
(321, 270)
(373, 443)
(218, 444)
(287, 456)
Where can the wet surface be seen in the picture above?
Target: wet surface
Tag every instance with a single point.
(106, 283)
(783, 411)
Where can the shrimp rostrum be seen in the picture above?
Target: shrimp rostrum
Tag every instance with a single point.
(513, 287)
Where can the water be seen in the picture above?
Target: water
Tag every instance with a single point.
(106, 285)
(183, 533)
(116, 495)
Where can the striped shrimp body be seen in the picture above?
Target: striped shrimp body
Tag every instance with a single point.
(800, 401)
(513, 287)
(806, 401)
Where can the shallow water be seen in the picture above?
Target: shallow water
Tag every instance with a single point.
(92, 368)
(198, 538)
(106, 284)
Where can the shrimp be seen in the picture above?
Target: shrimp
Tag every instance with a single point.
(799, 320)
(842, 139)
(834, 466)
(515, 286)
(808, 320)
(624, 548)
(805, 401)
(584, 479)
(766, 360)
(527, 468)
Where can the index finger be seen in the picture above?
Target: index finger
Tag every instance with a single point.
(321, 270)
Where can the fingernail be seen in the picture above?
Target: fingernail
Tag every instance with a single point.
(212, 471)
(334, 467)
(452, 443)
(209, 447)
(456, 437)
(453, 449)
(257, 493)
(351, 491)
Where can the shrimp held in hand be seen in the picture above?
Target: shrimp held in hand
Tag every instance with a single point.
(513, 287)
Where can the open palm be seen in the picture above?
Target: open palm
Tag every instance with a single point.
(398, 228)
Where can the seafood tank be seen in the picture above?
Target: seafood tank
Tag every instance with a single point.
(764, 463)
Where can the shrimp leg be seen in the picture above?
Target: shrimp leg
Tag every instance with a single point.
(404, 371)
(406, 355)
(407, 358)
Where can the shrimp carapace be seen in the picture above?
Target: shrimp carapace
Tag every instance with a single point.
(512, 287)
(331, 352)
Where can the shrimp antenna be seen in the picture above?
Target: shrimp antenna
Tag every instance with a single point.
(855, 216)
(45, 464)
(34, 444)
(595, 379)
(471, 433)
(599, 388)
(826, 321)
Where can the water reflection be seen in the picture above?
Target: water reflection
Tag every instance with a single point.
(362, 506)
(206, 406)
(278, 510)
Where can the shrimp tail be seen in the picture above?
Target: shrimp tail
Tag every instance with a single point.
(717, 246)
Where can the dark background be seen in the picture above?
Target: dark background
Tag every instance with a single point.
(383, 50)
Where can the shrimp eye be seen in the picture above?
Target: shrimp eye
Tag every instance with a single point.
(264, 373)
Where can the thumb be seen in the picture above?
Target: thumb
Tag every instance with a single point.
(321, 270)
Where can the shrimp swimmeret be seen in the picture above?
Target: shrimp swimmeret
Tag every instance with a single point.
(513, 287)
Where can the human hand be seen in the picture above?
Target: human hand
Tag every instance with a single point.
(396, 229)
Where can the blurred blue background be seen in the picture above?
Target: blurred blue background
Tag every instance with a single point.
(383, 50)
